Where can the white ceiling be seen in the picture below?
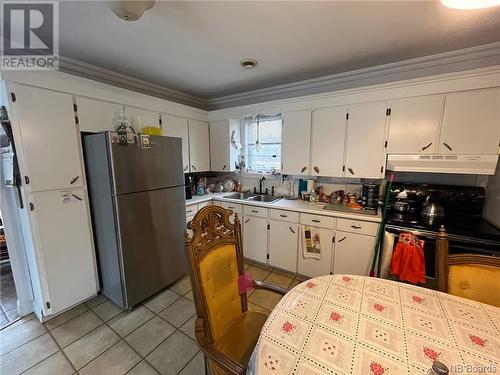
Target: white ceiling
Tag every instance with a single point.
(195, 47)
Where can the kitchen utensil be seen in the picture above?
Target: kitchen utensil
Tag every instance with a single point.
(152, 130)
(228, 184)
(219, 188)
(432, 208)
(401, 205)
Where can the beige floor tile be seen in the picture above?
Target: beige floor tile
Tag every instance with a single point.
(57, 364)
(75, 328)
(302, 277)
(188, 328)
(127, 321)
(148, 336)
(9, 302)
(182, 286)
(173, 354)
(279, 279)
(65, 316)
(179, 312)
(28, 355)
(264, 299)
(90, 346)
(107, 310)
(117, 360)
(19, 334)
(144, 368)
(258, 272)
(295, 283)
(196, 366)
(253, 306)
(97, 300)
(161, 300)
(189, 296)
(246, 264)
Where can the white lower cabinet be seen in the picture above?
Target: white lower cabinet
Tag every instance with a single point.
(283, 245)
(255, 238)
(353, 253)
(317, 267)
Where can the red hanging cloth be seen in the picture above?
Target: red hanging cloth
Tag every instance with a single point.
(408, 259)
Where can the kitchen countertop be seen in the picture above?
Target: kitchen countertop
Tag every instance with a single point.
(288, 204)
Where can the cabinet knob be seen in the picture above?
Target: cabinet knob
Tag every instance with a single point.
(186, 168)
(316, 169)
(283, 215)
(355, 227)
(255, 211)
(447, 146)
(351, 171)
(291, 230)
(193, 167)
(342, 239)
(247, 220)
(224, 167)
(73, 180)
(426, 147)
(303, 169)
(316, 221)
(76, 197)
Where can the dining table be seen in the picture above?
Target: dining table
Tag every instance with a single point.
(346, 324)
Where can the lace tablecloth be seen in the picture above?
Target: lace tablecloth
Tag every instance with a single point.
(360, 325)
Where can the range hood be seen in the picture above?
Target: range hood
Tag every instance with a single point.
(465, 164)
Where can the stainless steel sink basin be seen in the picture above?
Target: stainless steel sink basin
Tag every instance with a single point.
(253, 197)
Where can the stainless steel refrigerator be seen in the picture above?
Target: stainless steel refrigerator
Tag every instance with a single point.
(136, 188)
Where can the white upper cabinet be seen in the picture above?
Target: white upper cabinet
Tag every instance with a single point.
(199, 146)
(50, 139)
(223, 153)
(95, 115)
(295, 143)
(327, 141)
(365, 140)
(414, 125)
(178, 127)
(140, 118)
(471, 123)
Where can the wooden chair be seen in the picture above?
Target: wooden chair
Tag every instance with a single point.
(225, 329)
(471, 276)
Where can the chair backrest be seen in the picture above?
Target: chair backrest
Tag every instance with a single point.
(471, 276)
(216, 261)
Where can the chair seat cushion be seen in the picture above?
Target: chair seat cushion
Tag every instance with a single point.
(240, 336)
(476, 282)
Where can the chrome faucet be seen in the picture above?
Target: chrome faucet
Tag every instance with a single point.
(261, 182)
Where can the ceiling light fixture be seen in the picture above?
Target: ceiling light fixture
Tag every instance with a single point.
(248, 63)
(470, 4)
(130, 10)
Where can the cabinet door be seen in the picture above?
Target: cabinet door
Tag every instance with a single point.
(95, 115)
(365, 140)
(316, 267)
(353, 254)
(220, 146)
(471, 123)
(414, 125)
(50, 139)
(255, 238)
(328, 141)
(296, 142)
(178, 127)
(199, 146)
(283, 245)
(65, 248)
(140, 118)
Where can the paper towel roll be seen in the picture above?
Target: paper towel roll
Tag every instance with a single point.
(310, 185)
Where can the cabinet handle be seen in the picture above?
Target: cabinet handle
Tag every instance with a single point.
(316, 221)
(426, 147)
(76, 197)
(224, 167)
(189, 211)
(355, 227)
(316, 169)
(291, 230)
(303, 169)
(255, 211)
(342, 239)
(447, 146)
(283, 215)
(192, 166)
(350, 170)
(73, 180)
(231, 207)
(186, 168)
(247, 220)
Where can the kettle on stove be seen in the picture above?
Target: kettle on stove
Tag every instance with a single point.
(431, 208)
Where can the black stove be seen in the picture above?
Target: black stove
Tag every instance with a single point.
(462, 207)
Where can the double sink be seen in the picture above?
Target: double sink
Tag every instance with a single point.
(253, 197)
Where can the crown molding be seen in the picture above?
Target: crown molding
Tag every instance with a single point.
(93, 72)
(447, 62)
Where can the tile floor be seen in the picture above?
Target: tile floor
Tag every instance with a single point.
(8, 297)
(97, 337)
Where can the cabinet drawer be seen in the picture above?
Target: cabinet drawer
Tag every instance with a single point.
(356, 226)
(292, 217)
(191, 209)
(317, 221)
(238, 208)
(255, 211)
(204, 204)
